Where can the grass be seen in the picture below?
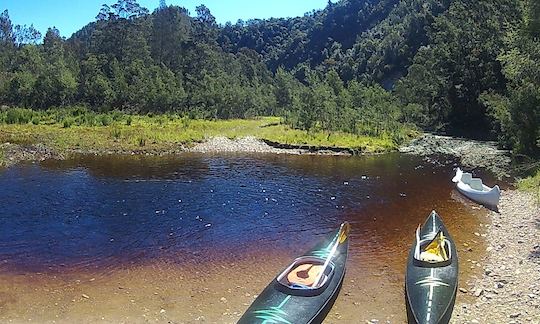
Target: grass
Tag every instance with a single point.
(78, 128)
(530, 184)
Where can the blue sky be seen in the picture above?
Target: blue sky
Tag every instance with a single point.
(70, 15)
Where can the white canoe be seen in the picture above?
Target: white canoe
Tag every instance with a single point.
(474, 189)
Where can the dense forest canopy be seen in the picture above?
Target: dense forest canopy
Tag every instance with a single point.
(359, 66)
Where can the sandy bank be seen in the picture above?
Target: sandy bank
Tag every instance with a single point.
(508, 291)
(241, 145)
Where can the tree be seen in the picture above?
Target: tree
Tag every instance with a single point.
(171, 30)
(123, 9)
(129, 9)
(205, 16)
(26, 35)
(53, 44)
(7, 37)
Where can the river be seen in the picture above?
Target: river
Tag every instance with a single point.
(194, 238)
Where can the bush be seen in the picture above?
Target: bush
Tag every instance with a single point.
(117, 116)
(18, 116)
(105, 120)
(141, 141)
(68, 122)
(116, 133)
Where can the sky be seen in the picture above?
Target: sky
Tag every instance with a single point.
(71, 15)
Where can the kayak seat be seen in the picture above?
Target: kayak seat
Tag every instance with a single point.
(300, 278)
(476, 184)
(432, 260)
(466, 178)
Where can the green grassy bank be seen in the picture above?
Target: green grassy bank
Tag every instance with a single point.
(68, 129)
(531, 184)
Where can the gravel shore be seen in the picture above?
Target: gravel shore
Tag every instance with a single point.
(253, 145)
(508, 291)
(241, 145)
(473, 154)
(15, 153)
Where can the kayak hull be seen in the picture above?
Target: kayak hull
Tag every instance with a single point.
(277, 305)
(430, 290)
(489, 196)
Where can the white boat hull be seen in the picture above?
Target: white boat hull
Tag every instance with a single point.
(489, 196)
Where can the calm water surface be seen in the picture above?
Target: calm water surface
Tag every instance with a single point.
(101, 214)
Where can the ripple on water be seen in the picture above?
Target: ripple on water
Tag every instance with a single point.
(116, 228)
(93, 212)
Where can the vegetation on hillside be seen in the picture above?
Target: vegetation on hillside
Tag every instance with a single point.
(367, 67)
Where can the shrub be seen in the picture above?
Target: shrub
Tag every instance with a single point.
(116, 133)
(141, 141)
(116, 115)
(105, 120)
(68, 122)
(18, 116)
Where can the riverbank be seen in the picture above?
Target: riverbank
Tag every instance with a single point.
(508, 290)
(162, 135)
(471, 153)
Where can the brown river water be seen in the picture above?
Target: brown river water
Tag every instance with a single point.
(194, 238)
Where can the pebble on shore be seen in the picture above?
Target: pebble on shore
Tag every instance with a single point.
(473, 154)
(509, 288)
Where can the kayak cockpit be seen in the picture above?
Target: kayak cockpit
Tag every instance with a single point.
(433, 250)
(303, 277)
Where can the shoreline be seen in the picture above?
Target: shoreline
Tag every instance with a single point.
(144, 135)
(508, 290)
(471, 153)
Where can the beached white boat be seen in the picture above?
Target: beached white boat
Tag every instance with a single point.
(474, 189)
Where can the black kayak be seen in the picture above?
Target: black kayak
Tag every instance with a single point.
(306, 290)
(431, 287)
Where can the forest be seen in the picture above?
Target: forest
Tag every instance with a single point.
(367, 67)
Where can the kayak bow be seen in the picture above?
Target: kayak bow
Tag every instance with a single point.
(307, 289)
(431, 287)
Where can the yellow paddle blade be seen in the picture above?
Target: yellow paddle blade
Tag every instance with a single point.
(344, 232)
(436, 247)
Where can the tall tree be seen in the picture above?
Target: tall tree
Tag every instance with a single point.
(7, 37)
(171, 29)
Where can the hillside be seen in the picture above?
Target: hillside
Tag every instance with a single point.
(360, 66)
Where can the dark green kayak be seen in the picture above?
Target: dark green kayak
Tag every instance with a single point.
(306, 290)
(431, 287)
